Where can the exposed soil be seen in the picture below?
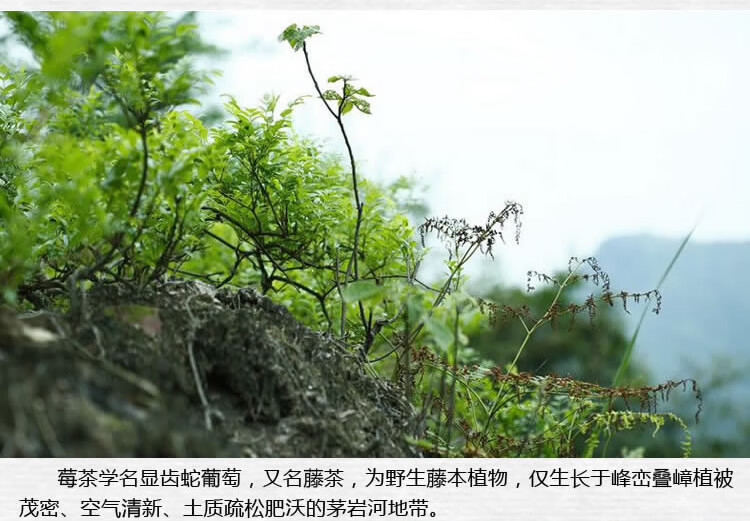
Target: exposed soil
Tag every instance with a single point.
(125, 374)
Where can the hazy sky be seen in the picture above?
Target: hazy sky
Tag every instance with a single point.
(599, 123)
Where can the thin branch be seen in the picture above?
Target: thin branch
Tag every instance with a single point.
(144, 170)
(353, 267)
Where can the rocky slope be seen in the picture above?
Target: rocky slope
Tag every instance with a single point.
(184, 370)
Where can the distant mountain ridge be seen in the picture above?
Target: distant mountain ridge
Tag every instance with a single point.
(706, 302)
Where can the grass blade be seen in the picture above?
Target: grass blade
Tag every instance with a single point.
(625, 362)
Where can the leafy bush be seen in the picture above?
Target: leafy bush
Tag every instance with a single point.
(113, 175)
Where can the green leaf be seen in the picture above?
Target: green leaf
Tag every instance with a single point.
(185, 28)
(415, 308)
(362, 105)
(295, 36)
(440, 333)
(362, 290)
(331, 95)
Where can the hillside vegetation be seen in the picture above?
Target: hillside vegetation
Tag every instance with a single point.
(143, 241)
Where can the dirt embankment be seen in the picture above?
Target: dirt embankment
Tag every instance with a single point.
(184, 370)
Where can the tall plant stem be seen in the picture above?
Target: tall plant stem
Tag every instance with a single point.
(352, 269)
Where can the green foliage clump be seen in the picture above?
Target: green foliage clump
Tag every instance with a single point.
(113, 172)
(115, 181)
